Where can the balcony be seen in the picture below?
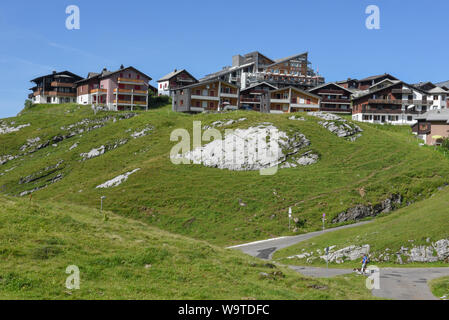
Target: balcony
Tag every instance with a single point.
(402, 91)
(273, 100)
(61, 94)
(200, 97)
(250, 100)
(229, 95)
(336, 110)
(100, 91)
(131, 81)
(62, 84)
(128, 102)
(400, 102)
(330, 91)
(343, 101)
(130, 91)
(390, 111)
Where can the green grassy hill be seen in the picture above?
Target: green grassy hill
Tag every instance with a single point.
(120, 258)
(418, 225)
(200, 202)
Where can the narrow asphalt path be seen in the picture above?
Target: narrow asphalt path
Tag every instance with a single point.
(395, 283)
(264, 249)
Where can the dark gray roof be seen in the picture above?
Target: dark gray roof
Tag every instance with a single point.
(443, 84)
(377, 77)
(435, 115)
(172, 74)
(287, 59)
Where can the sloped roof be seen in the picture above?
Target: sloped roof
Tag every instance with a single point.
(443, 84)
(435, 115)
(331, 83)
(56, 74)
(298, 90)
(173, 74)
(377, 77)
(286, 59)
(258, 84)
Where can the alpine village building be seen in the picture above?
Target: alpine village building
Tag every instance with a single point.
(126, 88)
(174, 80)
(54, 88)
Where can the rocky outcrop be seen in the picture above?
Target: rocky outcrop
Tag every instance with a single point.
(437, 251)
(144, 132)
(96, 152)
(338, 126)
(349, 253)
(255, 148)
(5, 128)
(223, 123)
(363, 211)
(117, 180)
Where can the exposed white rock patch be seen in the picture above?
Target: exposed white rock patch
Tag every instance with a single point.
(254, 148)
(75, 145)
(437, 251)
(102, 149)
(297, 118)
(93, 153)
(4, 159)
(4, 128)
(7, 170)
(338, 126)
(142, 133)
(117, 180)
(223, 123)
(350, 253)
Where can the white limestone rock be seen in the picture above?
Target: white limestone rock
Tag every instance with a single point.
(255, 148)
(117, 180)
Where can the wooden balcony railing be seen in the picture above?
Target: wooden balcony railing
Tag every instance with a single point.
(142, 103)
(131, 80)
(61, 94)
(62, 84)
(400, 102)
(98, 90)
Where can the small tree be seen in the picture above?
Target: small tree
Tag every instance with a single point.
(28, 104)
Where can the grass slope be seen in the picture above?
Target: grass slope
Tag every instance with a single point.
(120, 258)
(203, 203)
(440, 287)
(425, 219)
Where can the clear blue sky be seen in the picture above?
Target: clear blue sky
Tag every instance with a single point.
(202, 35)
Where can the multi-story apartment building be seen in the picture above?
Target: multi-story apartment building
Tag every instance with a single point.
(390, 101)
(251, 98)
(254, 68)
(126, 88)
(437, 94)
(334, 98)
(57, 87)
(174, 80)
(291, 99)
(213, 95)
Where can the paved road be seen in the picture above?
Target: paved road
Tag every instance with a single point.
(264, 249)
(395, 283)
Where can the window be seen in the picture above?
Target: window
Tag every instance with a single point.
(435, 97)
(138, 76)
(160, 86)
(308, 101)
(409, 118)
(181, 102)
(129, 75)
